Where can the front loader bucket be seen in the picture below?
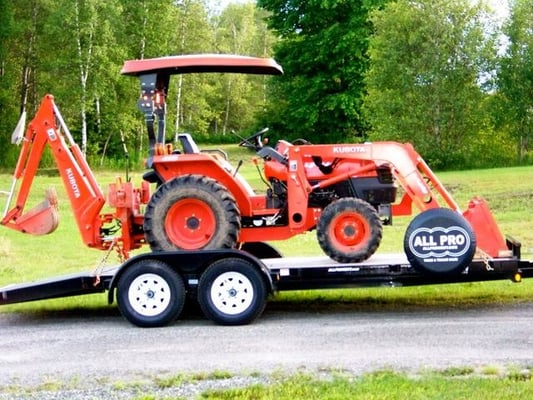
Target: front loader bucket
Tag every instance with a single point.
(488, 236)
(40, 220)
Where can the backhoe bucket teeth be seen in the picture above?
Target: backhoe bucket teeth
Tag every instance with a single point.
(42, 219)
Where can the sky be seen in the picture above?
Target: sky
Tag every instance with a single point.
(500, 7)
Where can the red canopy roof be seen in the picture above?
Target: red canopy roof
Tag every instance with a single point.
(203, 63)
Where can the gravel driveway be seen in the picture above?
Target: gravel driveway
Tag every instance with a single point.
(100, 351)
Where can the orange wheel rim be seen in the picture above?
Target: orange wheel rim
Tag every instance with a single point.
(348, 231)
(190, 224)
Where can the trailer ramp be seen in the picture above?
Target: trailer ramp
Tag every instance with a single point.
(60, 286)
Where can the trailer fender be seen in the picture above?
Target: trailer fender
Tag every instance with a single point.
(439, 241)
(261, 250)
(192, 264)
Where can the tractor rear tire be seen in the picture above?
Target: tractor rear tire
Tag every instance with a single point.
(349, 230)
(191, 212)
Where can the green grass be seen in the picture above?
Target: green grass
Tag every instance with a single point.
(180, 379)
(385, 299)
(460, 383)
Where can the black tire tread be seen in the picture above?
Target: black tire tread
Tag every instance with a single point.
(340, 206)
(227, 265)
(196, 185)
(174, 280)
(452, 217)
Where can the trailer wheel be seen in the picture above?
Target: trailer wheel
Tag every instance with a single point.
(232, 292)
(439, 241)
(150, 294)
(349, 230)
(189, 213)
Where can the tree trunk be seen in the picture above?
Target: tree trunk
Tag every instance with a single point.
(84, 74)
(178, 108)
(28, 61)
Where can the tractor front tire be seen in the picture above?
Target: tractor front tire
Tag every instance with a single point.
(191, 212)
(349, 230)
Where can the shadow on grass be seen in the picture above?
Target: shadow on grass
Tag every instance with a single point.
(429, 298)
(50, 311)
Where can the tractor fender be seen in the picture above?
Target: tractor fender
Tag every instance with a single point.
(439, 241)
(190, 265)
(172, 166)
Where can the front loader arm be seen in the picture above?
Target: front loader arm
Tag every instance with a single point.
(419, 182)
(421, 186)
(86, 198)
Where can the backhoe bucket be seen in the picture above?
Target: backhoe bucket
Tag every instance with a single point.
(40, 220)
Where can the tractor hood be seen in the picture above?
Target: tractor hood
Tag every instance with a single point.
(202, 63)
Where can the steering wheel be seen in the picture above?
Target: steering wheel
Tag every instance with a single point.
(300, 141)
(254, 141)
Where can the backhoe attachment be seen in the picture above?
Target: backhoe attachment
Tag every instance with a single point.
(121, 229)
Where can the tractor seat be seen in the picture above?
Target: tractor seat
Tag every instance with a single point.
(152, 177)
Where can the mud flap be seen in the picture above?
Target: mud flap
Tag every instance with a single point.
(439, 241)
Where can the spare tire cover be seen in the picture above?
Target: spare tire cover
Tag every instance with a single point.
(439, 241)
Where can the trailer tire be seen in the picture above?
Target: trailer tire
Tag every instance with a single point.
(232, 292)
(349, 230)
(191, 212)
(150, 294)
(439, 241)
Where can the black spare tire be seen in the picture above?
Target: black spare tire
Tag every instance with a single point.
(439, 241)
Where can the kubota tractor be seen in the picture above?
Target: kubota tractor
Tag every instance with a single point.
(346, 192)
(202, 202)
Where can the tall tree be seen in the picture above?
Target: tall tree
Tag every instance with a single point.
(20, 26)
(324, 54)
(74, 49)
(78, 45)
(6, 85)
(239, 30)
(6, 20)
(515, 78)
(195, 35)
(428, 59)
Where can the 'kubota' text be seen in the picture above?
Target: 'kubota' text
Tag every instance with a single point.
(73, 183)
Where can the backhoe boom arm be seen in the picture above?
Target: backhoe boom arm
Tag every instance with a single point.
(86, 197)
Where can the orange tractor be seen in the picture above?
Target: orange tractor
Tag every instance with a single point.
(346, 192)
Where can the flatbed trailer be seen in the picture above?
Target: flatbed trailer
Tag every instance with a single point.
(232, 286)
